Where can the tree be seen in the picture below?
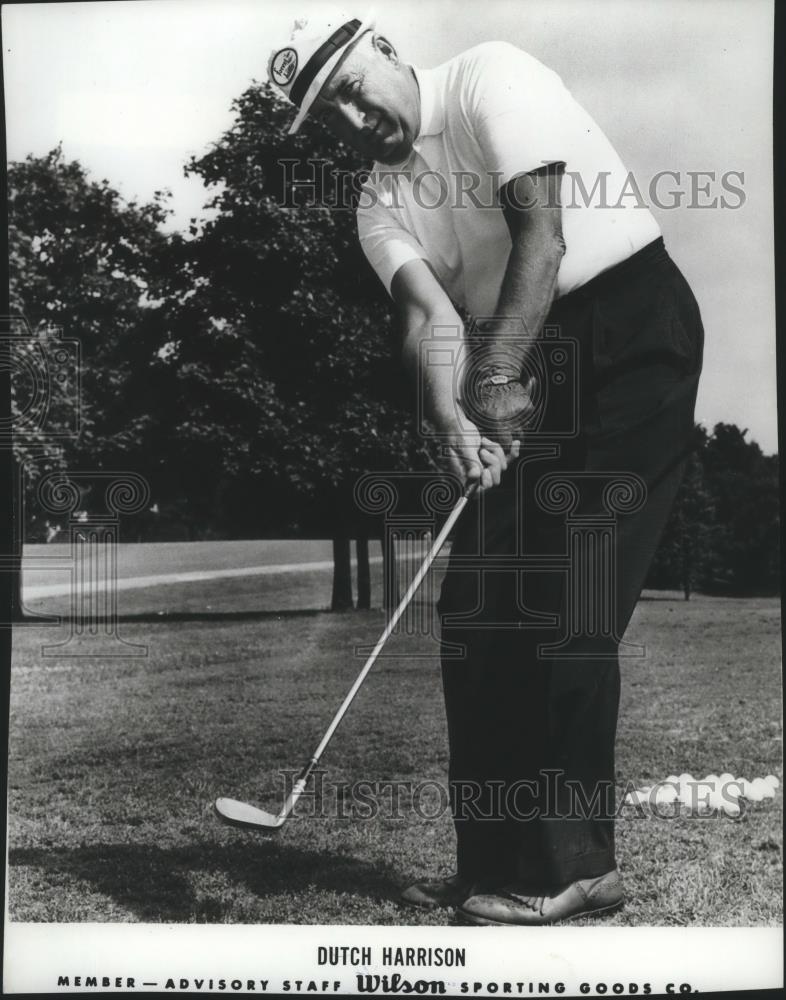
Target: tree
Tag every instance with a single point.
(281, 364)
(685, 548)
(723, 531)
(341, 598)
(745, 487)
(690, 530)
(86, 262)
(364, 574)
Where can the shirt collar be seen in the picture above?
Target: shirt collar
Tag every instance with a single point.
(432, 114)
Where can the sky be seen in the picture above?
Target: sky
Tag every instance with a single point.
(132, 89)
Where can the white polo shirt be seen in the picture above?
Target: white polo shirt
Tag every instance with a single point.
(487, 115)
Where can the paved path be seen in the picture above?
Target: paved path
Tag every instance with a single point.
(31, 592)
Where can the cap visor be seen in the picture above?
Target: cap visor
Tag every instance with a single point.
(321, 78)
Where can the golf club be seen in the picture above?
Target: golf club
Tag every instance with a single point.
(250, 817)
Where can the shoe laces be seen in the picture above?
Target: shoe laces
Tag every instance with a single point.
(531, 902)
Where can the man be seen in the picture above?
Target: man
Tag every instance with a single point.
(494, 193)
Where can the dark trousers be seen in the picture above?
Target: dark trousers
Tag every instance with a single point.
(532, 728)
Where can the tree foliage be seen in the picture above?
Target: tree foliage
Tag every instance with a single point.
(723, 531)
(744, 484)
(280, 342)
(85, 262)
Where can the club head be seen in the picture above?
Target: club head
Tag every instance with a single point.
(246, 816)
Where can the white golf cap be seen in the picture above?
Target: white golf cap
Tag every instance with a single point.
(300, 67)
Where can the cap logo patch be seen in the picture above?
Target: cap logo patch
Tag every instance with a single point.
(284, 66)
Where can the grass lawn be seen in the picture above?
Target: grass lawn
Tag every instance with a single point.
(114, 764)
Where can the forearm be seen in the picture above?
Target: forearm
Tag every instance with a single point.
(527, 293)
(436, 384)
(423, 308)
(529, 284)
(531, 206)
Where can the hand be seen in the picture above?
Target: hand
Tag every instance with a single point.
(471, 456)
(502, 406)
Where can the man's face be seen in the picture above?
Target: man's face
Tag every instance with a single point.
(371, 102)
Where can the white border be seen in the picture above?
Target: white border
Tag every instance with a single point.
(706, 959)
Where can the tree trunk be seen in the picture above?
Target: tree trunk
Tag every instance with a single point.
(341, 599)
(687, 571)
(391, 594)
(364, 574)
(16, 534)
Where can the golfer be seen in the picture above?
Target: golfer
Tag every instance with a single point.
(499, 216)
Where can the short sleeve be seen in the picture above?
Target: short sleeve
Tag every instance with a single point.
(520, 111)
(386, 244)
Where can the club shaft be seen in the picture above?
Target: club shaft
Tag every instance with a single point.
(432, 554)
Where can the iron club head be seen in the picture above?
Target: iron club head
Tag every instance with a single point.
(244, 815)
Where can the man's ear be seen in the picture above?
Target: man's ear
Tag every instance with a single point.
(385, 48)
